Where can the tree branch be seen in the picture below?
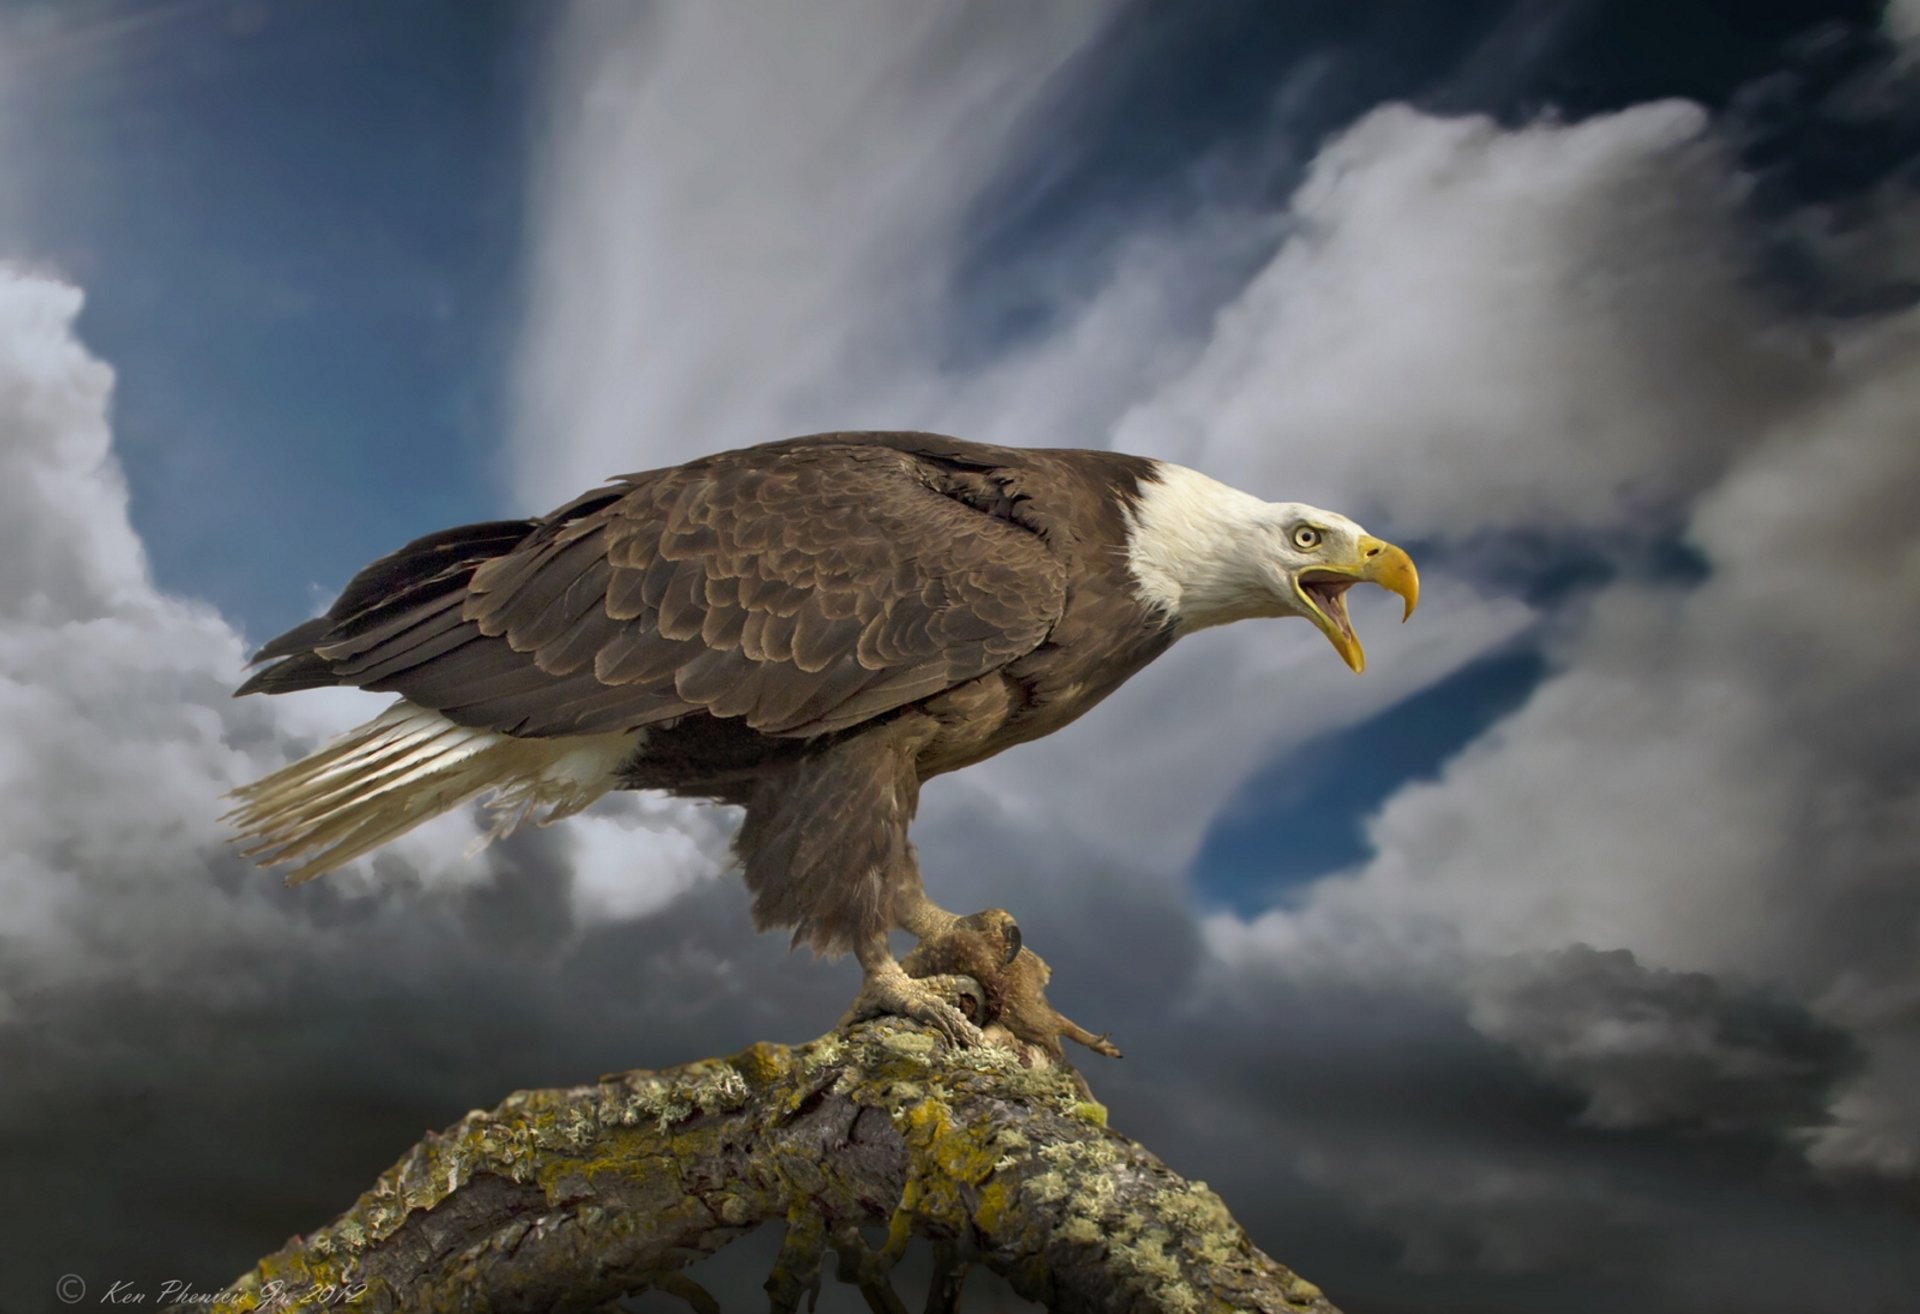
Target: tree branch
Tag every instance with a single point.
(569, 1199)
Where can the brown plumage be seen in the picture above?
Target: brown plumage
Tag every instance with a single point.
(808, 629)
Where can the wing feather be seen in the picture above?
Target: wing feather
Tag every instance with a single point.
(803, 587)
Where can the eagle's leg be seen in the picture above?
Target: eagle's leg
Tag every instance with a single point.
(927, 921)
(824, 850)
(916, 914)
(888, 987)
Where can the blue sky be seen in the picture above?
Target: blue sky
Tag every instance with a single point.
(302, 231)
(1582, 914)
(300, 226)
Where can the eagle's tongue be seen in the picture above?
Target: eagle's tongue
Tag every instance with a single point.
(1331, 597)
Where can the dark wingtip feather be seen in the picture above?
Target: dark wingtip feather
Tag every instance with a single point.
(399, 583)
(306, 670)
(297, 639)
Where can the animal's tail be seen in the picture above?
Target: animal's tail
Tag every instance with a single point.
(405, 766)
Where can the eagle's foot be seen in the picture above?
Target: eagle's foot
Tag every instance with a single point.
(985, 947)
(889, 991)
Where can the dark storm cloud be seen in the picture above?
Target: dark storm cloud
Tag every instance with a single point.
(263, 1080)
(1650, 1047)
(1369, 1134)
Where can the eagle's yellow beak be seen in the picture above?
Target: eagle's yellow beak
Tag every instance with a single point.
(1323, 589)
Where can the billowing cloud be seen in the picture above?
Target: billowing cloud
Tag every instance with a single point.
(120, 737)
(1652, 1048)
(150, 978)
(1477, 330)
(121, 733)
(1500, 340)
(675, 313)
(1512, 343)
(1719, 778)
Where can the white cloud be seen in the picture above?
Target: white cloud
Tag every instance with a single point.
(1720, 778)
(634, 855)
(121, 735)
(724, 261)
(737, 211)
(1477, 329)
(106, 687)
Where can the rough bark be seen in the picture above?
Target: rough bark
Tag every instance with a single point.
(568, 1199)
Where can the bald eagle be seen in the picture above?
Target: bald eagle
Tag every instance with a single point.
(807, 629)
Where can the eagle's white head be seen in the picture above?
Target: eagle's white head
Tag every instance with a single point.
(1204, 554)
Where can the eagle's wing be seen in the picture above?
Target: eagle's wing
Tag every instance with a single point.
(804, 588)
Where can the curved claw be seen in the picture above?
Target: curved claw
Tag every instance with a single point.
(924, 1000)
(994, 924)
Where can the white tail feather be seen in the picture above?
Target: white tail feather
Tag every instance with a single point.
(410, 764)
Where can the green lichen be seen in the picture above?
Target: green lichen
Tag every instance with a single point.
(1089, 1111)
(1013, 1157)
(916, 1044)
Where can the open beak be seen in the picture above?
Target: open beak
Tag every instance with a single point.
(1324, 588)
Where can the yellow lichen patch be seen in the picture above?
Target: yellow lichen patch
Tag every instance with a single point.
(996, 1201)
(1090, 1111)
(900, 1224)
(932, 1191)
(761, 1065)
(950, 1168)
(965, 1154)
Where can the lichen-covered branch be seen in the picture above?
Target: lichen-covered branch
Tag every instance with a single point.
(568, 1199)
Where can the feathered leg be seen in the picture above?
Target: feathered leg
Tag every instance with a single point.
(824, 850)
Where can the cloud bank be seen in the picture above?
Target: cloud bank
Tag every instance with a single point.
(1670, 887)
(1609, 996)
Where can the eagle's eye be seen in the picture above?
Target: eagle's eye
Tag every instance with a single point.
(1306, 536)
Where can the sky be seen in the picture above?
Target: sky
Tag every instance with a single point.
(1568, 954)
